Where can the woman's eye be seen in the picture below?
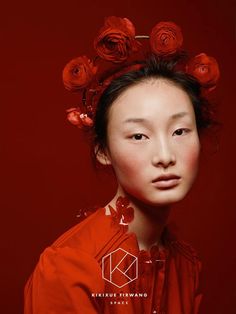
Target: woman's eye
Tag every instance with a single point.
(139, 136)
(180, 132)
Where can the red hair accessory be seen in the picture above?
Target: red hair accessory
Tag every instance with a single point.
(205, 69)
(118, 51)
(116, 39)
(77, 118)
(78, 73)
(166, 38)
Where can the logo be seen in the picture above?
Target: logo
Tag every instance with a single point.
(119, 267)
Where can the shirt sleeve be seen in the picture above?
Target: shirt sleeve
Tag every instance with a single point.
(63, 282)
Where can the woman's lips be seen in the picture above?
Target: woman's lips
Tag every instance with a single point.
(167, 181)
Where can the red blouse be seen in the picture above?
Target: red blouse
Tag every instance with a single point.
(97, 267)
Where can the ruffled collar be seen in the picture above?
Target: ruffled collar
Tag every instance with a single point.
(155, 253)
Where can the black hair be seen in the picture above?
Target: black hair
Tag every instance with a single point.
(153, 68)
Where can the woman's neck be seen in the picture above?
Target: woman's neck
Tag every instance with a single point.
(148, 223)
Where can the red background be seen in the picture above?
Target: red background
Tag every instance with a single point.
(47, 175)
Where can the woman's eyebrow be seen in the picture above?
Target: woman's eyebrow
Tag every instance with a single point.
(135, 120)
(179, 115)
(142, 120)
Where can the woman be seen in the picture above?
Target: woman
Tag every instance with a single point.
(123, 258)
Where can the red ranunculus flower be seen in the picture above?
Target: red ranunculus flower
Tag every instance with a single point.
(73, 115)
(116, 39)
(78, 73)
(86, 120)
(124, 212)
(205, 69)
(77, 118)
(166, 38)
(122, 202)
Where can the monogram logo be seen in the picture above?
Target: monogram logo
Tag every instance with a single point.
(119, 267)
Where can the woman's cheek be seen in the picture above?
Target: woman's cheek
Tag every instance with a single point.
(191, 157)
(127, 162)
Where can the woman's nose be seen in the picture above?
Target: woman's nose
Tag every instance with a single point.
(163, 154)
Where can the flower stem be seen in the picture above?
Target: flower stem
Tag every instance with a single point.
(142, 36)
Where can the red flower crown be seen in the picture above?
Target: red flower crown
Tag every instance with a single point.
(117, 49)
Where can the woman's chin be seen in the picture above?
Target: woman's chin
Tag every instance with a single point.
(163, 199)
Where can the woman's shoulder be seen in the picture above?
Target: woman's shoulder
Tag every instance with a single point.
(70, 261)
(90, 234)
(61, 275)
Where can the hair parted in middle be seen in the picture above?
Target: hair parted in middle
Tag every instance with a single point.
(154, 68)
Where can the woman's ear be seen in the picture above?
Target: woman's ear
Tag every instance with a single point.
(102, 155)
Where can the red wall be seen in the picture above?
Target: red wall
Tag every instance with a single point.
(46, 172)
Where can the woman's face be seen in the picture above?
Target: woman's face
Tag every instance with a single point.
(152, 133)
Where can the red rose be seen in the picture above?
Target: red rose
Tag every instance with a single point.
(116, 39)
(77, 118)
(166, 38)
(122, 202)
(78, 73)
(124, 212)
(128, 214)
(86, 120)
(205, 69)
(129, 26)
(73, 115)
